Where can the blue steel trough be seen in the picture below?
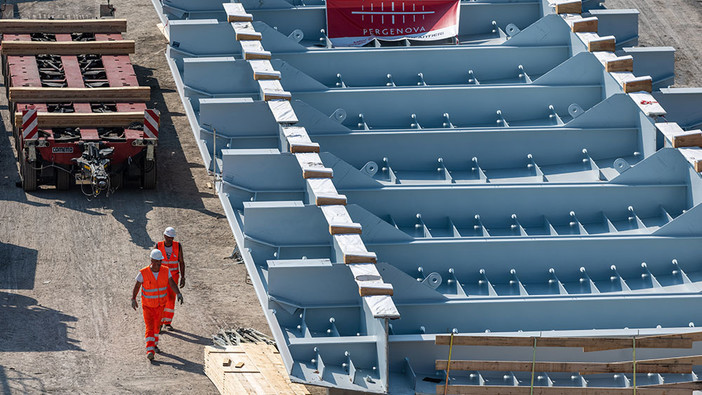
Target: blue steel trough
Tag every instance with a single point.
(508, 182)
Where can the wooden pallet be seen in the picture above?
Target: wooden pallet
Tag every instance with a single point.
(249, 368)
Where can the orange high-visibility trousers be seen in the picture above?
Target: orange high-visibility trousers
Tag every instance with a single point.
(152, 321)
(169, 310)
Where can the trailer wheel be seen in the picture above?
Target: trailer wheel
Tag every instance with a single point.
(148, 173)
(29, 174)
(63, 179)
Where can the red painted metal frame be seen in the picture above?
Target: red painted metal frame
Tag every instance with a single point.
(24, 71)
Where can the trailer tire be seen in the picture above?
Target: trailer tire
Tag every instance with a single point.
(148, 174)
(29, 174)
(63, 179)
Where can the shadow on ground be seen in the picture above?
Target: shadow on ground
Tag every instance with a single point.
(49, 327)
(18, 266)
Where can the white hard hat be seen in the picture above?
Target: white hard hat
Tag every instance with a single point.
(170, 232)
(157, 255)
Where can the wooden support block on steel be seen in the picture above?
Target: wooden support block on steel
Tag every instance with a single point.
(644, 366)
(621, 63)
(607, 44)
(236, 13)
(122, 94)
(21, 48)
(371, 288)
(245, 31)
(298, 147)
(585, 25)
(84, 120)
(687, 140)
(640, 84)
(317, 172)
(330, 200)
(26, 26)
(263, 70)
(368, 257)
(526, 390)
(569, 7)
(252, 49)
(344, 229)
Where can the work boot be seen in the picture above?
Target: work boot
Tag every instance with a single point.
(150, 356)
(169, 327)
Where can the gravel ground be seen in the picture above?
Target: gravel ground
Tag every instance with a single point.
(67, 264)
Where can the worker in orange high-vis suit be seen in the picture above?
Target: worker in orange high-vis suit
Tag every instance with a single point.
(173, 260)
(154, 281)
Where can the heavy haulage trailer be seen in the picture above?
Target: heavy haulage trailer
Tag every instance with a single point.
(80, 116)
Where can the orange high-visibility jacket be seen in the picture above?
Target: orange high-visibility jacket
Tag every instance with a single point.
(170, 262)
(153, 291)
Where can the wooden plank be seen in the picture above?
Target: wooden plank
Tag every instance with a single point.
(376, 288)
(267, 369)
(232, 385)
(622, 63)
(607, 44)
(644, 366)
(123, 94)
(26, 26)
(571, 7)
(687, 140)
(641, 84)
(236, 12)
(526, 390)
(323, 200)
(585, 25)
(245, 31)
(588, 343)
(343, 229)
(83, 120)
(116, 47)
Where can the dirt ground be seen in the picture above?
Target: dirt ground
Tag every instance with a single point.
(67, 263)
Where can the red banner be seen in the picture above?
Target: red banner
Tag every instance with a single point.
(357, 22)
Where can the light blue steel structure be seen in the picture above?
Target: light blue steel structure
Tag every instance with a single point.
(506, 183)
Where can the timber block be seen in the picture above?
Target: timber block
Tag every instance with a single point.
(641, 84)
(622, 63)
(585, 25)
(607, 44)
(570, 7)
(339, 229)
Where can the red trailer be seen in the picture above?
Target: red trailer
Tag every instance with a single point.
(80, 116)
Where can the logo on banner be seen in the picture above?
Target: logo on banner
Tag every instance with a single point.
(357, 22)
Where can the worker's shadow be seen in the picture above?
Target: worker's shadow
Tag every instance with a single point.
(187, 336)
(179, 363)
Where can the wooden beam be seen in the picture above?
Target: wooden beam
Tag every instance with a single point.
(644, 366)
(124, 94)
(623, 63)
(587, 343)
(571, 7)
(585, 25)
(21, 48)
(82, 120)
(526, 390)
(26, 26)
(644, 84)
(688, 140)
(607, 44)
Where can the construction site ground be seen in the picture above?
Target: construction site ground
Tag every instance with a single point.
(68, 263)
